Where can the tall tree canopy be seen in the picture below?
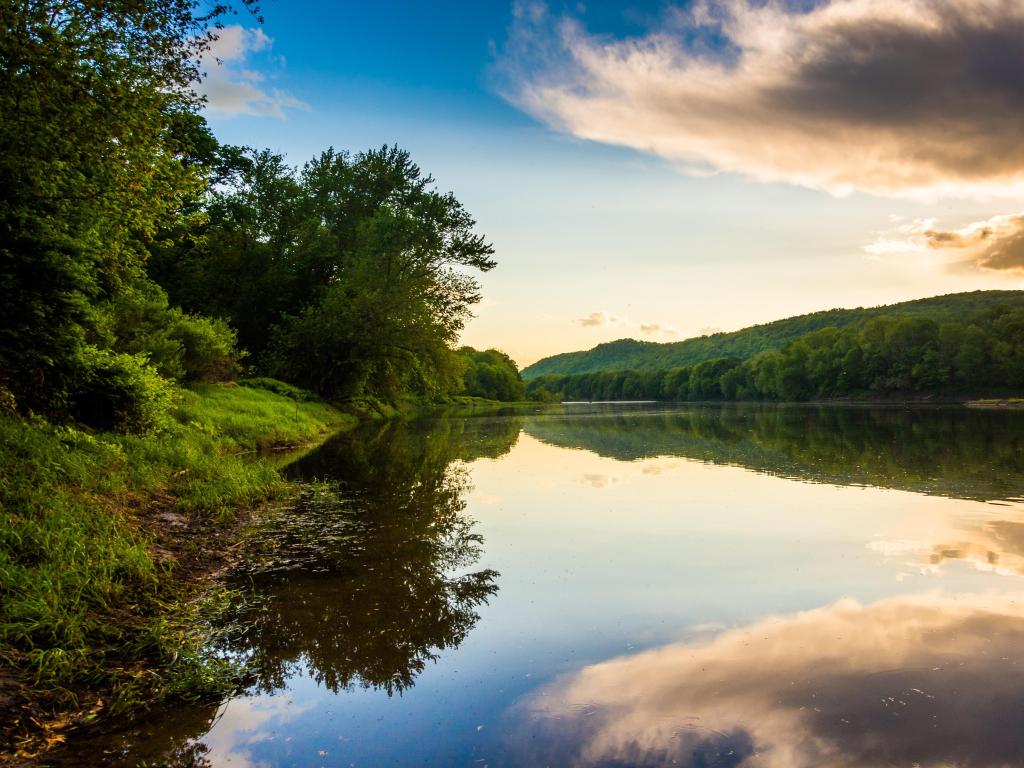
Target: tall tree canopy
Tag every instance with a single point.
(352, 275)
(99, 141)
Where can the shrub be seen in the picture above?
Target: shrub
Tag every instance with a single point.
(180, 346)
(208, 347)
(8, 403)
(119, 392)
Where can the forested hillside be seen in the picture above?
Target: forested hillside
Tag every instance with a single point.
(628, 354)
(974, 354)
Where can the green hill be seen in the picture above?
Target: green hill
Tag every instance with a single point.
(629, 354)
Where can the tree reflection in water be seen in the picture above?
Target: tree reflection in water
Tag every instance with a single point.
(362, 583)
(369, 577)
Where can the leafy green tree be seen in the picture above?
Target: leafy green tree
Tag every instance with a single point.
(352, 276)
(98, 157)
(705, 379)
(735, 383)
(676, 384)
(491, 374)
(240, 263)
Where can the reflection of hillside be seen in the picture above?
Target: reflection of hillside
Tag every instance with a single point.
(923, 681)
(957, 452)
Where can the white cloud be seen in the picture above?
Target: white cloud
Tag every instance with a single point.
(652, 329)
(911, 97)
(233, 87)
(605, 318)
(600, 480)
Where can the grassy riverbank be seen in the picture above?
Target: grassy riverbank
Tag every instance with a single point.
(104, 545)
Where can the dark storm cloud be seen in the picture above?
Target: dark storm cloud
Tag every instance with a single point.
(889, 97)
(994, 244)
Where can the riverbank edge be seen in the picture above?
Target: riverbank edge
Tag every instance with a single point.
(185, 531)
(877, 401)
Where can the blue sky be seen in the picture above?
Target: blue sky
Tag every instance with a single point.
(622, 199)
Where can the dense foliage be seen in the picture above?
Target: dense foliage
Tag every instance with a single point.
(490, 374)
(133, 246)
(350, 276)
(628, 354)
(981, 354)
(99, 150)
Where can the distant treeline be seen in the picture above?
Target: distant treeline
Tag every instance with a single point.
(981, 354)
(629, 354)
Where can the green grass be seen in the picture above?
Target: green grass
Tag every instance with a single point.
(85, 608)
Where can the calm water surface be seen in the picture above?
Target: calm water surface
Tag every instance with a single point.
(632, 586)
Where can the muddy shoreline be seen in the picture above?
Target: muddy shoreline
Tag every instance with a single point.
(199, 554)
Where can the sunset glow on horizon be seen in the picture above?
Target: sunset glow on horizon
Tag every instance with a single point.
(656, 170)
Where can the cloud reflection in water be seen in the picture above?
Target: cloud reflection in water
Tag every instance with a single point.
(929, 680)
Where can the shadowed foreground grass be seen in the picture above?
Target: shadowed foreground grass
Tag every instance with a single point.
(96, 613)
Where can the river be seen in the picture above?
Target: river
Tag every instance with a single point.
(642, 585)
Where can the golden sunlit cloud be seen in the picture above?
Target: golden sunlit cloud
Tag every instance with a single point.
(652, 329)
(599, 319)
(996, 546)
(994, 244)
(607, 319)
(920, 97)
(601, 480)
(929, 680)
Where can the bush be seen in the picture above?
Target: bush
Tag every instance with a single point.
(119, 392)
(8, 403)
(490, 374)
(208, 351)
(180, 346)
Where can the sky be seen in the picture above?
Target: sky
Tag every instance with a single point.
(661, 170)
